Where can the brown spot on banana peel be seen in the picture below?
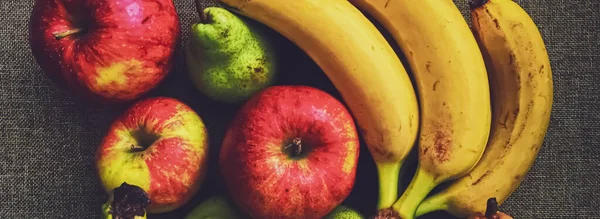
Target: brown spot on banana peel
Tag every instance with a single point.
(530, 75)
(496, 23)
(516, 25)
(541, 70)
(537, 146)
(428, 66)
(503, 123)
(386, 3)
(521, 128)
(381, 153)
(518, 80)
(435, 84)
(529, 49)
(488, 172)
(442, 144)
(518, 177)
(516, 112)
(474, 27)
(376, 150)
(511, 58)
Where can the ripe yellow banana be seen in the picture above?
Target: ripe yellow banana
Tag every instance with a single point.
(362, 66)
(453, 89)
(522, 96)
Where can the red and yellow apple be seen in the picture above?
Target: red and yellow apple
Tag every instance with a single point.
(160, 145)
(290, 152)
(104, 50)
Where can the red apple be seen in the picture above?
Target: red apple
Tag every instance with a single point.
(160, 145)
(104, 50)
(290, 152)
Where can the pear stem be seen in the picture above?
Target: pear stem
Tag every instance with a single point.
(199, 8)
(388, 184)
(416, 192)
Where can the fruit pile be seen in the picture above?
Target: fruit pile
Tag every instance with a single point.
(475, 104)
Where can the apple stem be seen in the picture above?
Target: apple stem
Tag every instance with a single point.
(136, 148)
(296, 146)
(60, 35)
(298, 143)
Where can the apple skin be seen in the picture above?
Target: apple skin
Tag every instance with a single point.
(160, 145)
(265, 180)
(104, 51)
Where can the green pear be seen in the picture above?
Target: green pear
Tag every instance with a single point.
(343, 212)
(216, 207)
(229, 57)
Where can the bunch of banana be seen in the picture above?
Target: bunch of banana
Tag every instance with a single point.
(453, 88)
(450, 66)
(362, 66)
(522, 96)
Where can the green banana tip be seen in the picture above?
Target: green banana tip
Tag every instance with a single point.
(474, 4)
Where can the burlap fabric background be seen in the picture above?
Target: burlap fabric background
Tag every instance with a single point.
(47, 139)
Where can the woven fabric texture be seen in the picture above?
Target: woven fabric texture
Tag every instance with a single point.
(48, 138)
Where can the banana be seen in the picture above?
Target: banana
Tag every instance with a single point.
(362, 66)
(522, 96)
(452, 85)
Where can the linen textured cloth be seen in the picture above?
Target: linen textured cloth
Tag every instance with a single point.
(48, 138)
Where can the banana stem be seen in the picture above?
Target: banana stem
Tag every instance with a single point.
(388, 184)
(416, 192)
(434, 203)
